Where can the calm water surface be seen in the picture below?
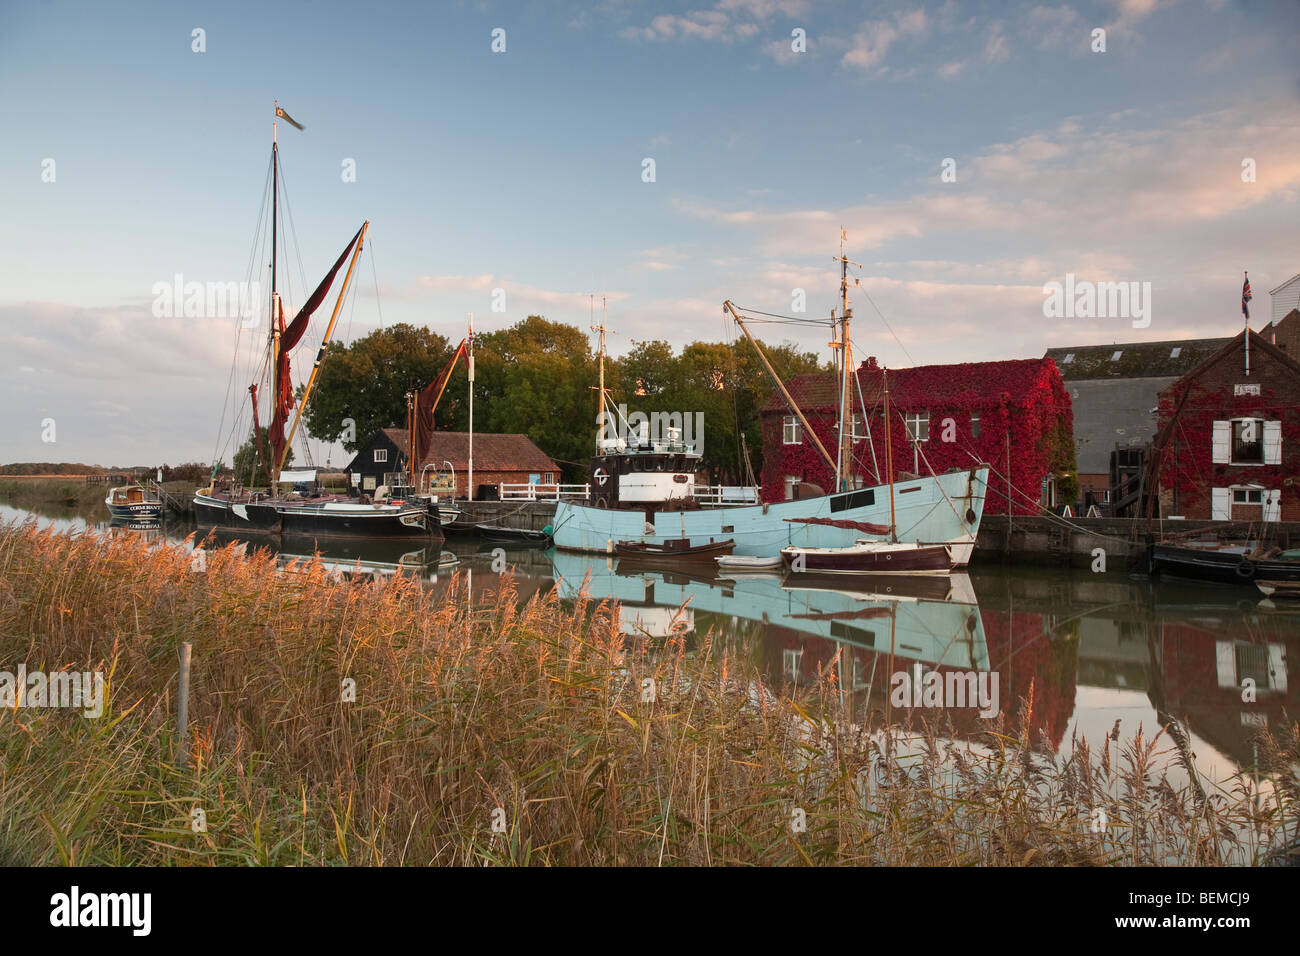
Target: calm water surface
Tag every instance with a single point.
(1095, 648)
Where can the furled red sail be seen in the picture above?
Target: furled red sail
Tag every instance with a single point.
(426, 404)
(282, 401)
(866, 527)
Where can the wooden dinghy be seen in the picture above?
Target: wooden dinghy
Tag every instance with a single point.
(674, 551)
(745, 564)
(870, 557)
(512, 535)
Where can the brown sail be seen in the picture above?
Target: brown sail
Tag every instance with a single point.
(291, 335)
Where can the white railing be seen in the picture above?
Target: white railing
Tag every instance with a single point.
(726, 494)
(522, 492)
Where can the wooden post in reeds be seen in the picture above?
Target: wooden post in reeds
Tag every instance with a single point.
(183, 708)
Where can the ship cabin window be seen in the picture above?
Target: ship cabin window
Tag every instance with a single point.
(918, 425)
(792, 430)
(1248, 441)
(974, 424)
(381, 454)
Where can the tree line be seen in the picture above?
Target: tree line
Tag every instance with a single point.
(539, 378)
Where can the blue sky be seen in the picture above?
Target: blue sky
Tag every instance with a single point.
(522, 171)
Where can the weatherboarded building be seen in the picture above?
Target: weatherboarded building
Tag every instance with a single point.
(1013, 415)
(498, 459)
(1229, 441)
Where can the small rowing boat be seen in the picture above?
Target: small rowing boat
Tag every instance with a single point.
(743, 564)
(674, 551)
(503, 535)
(870, 557)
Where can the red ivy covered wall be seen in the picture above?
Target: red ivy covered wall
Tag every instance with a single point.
(1024, 401)
(1187, 466)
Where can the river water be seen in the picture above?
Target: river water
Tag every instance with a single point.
(1095, 648)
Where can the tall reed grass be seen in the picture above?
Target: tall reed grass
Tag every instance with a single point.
(515, 733)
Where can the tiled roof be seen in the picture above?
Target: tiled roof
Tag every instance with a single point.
(400, 437)
(491, 452)
(1136, 359)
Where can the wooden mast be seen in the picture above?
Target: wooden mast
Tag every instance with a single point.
(889, 461)
(844, 456)
(789, 400)
(320, 354)
(274, 343)
(601, 421)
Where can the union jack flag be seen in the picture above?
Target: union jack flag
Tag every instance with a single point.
(1245, 297)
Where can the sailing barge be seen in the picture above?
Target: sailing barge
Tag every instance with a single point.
(306, 510)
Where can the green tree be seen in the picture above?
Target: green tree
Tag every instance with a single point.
(248, 461)
(536, 378)
(366, 383)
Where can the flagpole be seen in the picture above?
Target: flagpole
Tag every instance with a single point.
(1245, 297)
(469, 495)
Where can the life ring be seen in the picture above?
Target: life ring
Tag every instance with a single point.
(601, 476)
(1246, 569)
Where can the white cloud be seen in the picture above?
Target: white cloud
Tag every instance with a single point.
(871, 43)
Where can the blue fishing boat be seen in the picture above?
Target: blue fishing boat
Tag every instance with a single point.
(643, 488)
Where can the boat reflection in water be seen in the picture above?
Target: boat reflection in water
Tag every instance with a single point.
(351, 559)
(879, 632)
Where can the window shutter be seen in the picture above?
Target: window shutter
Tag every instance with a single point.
(1272, 443)
(1222, 444)
(1225, 663)
(1273, 505)
(1220, 501)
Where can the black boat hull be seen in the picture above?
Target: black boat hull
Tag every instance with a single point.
(274, 518)
(137, 511)
(1203, 564)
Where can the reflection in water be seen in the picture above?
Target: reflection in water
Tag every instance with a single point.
(1211, 664)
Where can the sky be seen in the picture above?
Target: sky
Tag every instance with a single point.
(972, 152)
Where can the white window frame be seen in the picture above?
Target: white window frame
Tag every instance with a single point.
(791, 431)
(790, 482)
(381, 455)
(917, 422)
(1232, 437)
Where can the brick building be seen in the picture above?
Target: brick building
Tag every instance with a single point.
(1114, 392)
(1229, 441)
(498, 459)
(1013, 415)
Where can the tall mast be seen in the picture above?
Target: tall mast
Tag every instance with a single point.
(889, 459)
(469, 365)
(844, 458)
(601, 422)
(274, 344)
